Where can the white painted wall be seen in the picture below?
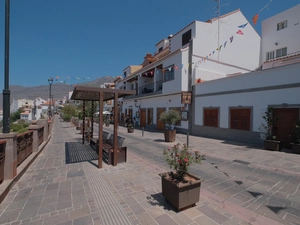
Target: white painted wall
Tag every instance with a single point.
(288, 37)
(244, 50)
(157, 102)
(259, 100)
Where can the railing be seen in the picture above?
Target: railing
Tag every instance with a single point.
(24, 146)
(2, 157)
(41, 135)
(159, 85)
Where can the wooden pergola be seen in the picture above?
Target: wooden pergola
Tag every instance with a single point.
(85, 93)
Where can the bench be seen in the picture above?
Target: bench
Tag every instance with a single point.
(107, 147)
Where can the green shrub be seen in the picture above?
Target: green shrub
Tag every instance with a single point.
(23, 130)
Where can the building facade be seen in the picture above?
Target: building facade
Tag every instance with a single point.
(280, 39)
(201, 51)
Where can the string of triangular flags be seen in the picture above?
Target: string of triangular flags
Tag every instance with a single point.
(255, 18)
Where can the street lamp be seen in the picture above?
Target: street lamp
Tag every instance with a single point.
(50, 81)
(6, 91)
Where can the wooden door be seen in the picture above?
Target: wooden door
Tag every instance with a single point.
(143, 118)
(285, 124)
(159, 124)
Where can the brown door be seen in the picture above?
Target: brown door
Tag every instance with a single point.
(285, 124)
(159, 124)
(143, 117)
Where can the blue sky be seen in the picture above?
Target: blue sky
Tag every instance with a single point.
(81, 40)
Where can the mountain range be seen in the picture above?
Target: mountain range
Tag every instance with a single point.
(58, 90)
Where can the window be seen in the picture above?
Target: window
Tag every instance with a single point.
(281, 52)
(125, 74)
(240, 119)
(270, 55)
(211, 117)
(186, 37)
(282, 25)
(160, 49)
(169, 73)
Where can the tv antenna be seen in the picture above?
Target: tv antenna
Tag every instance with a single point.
(218, 7)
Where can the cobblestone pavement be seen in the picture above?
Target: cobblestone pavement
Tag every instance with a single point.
(241, 184)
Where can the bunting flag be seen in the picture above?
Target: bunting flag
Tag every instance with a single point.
(240, 32)
(243, 26)
(254, 19)
(225, 44)
(220, 48)
(231, 39)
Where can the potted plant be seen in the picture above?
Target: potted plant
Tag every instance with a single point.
(106, 121)
(179, 187)
(130, 128)
(170, 118)
(270, 142)
(296, 138)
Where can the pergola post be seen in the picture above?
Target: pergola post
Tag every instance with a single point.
(100, 137)
(92, 121)
(115, 159)
(83, 121)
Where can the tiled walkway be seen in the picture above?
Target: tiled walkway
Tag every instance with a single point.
(64, 185)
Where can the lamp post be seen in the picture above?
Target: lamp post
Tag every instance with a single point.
(50, 81)
(6, 91)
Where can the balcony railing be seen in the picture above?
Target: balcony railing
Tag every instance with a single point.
(24, 146)
(150, 88)
(2, 157)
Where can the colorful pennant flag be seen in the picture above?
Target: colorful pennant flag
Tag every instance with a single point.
(243, 26)
(240, 32)
(231, 39)
(254, 19)
(225, 44)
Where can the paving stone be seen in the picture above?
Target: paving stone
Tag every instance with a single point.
(28, 213)
(165, 220)
(9, 216)
(136, 209)
(86, 220)
(214, 215)
(79, 213)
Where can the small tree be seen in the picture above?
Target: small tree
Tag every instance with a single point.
(170, 118)
(15, 115)
(270, 122)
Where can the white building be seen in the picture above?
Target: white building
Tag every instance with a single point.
(280, 38)
(201, 51)
(231, 108)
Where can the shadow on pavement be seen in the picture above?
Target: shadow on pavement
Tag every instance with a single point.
(77, 152)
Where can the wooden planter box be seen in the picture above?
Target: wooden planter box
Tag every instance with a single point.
(273, 145)
(181, 195)
(295, 148)
(121, 155)
(130, 130)
(170, 135)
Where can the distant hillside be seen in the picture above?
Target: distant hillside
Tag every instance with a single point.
(58, 90)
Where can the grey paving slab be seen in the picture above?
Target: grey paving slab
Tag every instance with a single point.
(241, 184)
